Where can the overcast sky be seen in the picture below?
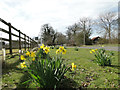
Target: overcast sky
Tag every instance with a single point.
(29, 15)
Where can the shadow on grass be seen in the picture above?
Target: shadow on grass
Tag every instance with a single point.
(115, 66)
(24, 78)
(6, 67)
(66, 83)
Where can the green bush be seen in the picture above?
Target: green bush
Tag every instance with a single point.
(76, 49)
(57, 47)
(52, 47)
(65, 47)
(103, 58)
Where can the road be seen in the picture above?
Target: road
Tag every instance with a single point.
(106, 48)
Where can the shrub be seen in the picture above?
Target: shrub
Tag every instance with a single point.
(76, 49)
(102, 58)
(57, 47)
(52, 47)
(65, 47)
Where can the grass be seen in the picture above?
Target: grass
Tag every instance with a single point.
(87, 74)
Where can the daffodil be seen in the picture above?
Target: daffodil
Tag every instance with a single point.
(90, 51)
(93, 50)
(28, 53)
(43, 46)
(61, 48)
(46, 49)
(33, 59)
(64, 51)
(23, 65)
(73, 66)
(22, 57)
(32, 54)
(57, 51)
(96, 49)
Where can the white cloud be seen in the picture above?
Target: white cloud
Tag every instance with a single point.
(29, 15)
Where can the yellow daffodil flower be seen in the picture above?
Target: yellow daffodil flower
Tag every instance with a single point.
(32, 54)
(64, 51)
(28, 53)
(61, 48)
(33, 59)
(93, 50)
(57, 51)
(90, 51)
(73, 66)
(22, 57)
(96, 49)
(46, 49)
(23, 65)
(43, 46)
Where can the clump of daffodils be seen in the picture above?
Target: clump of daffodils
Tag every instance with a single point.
(30, 55)
(61, 50)
(45, 48)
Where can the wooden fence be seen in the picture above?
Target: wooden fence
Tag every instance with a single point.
(28, 42)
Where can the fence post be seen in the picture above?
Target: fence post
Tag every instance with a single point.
(10, 38)
(28, 43)
(31, 43)
(19, 40)
(25, 41)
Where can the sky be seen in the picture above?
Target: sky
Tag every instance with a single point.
(29, 15)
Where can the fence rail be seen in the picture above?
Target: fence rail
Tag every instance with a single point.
(26, 43)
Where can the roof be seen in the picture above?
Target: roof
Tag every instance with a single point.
(95, 38)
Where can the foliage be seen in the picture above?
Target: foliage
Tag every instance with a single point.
(52, 47)
(47, 73)
(102, 58)
(76, 49)
(57, 47)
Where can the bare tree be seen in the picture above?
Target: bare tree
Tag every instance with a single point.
(60, 38)
(85, 25)
(74, 28)
(106, 23)
(71, 33)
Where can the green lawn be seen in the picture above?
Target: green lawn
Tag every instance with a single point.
(87, 74)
